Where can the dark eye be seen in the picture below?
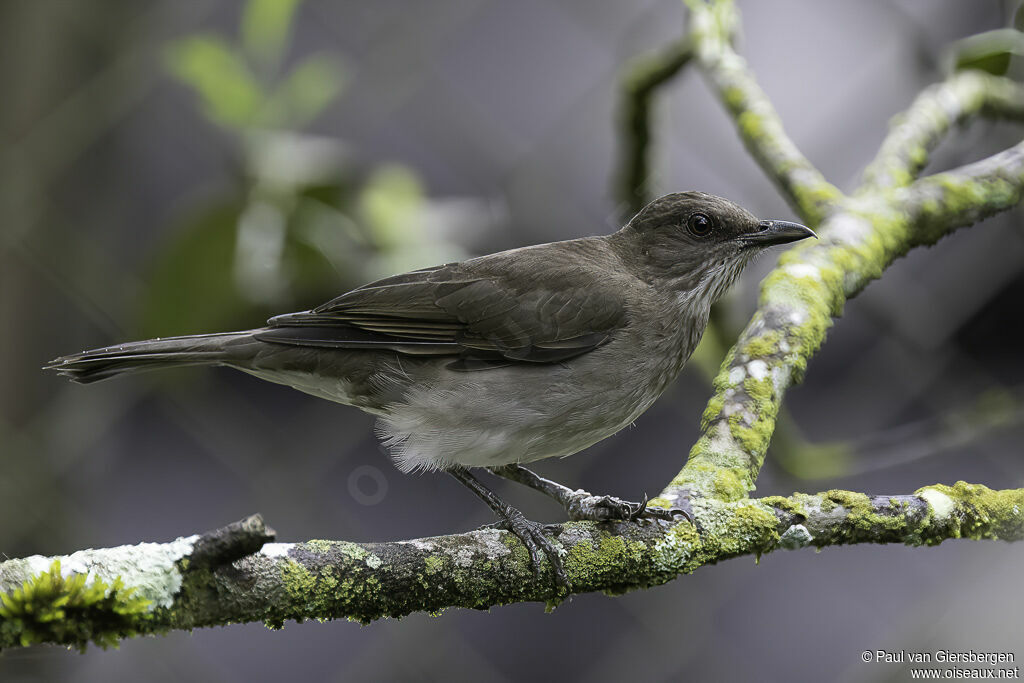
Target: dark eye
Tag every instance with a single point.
(699, 224)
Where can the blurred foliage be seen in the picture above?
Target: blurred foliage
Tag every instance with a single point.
(994, 51)
(305, 222)
(991, 51)
(242, 85)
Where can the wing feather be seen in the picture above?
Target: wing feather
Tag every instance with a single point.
(536, 305)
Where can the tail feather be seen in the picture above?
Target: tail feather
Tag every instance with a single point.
(199, 349)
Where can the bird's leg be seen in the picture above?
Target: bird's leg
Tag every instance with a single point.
(529, 532)
(580, 504)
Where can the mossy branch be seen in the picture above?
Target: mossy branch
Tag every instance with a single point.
(810, 286)
(861, 236)
(940, 203)
(65, 601)
(713, 24)
(641, 80)
(916, 132)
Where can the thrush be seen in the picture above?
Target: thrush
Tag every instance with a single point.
(503, 359)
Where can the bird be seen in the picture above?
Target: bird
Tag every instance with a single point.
(505, 359)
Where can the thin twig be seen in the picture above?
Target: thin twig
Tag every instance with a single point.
(643, 76)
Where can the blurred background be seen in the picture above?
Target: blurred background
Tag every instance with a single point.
(174, 167)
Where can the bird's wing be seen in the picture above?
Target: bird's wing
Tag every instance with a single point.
(539, 305)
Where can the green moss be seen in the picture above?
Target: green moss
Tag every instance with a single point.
(918, 157)
(953, 195)
(754, 437)
(763, 345)
(751, 125)
(816, 199)
(960, 195)
(298, 581)
(864, 522)
(820, 295)
(707, 473)
(729, 530)
(729, 485)
(750, 525)
(712, 411)
(810, 303)
(791, 506)
(588, 564)
(356, 552)
(51, 608)
(318, 546)
(721, 380)
(660, 502)
(761, 390)
(676, 551)
(326, 591)
(848, 499)
(434, 563)
(751, 439)
(734, 98)
(973, 511)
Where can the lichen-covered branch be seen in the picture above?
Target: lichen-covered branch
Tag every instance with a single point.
(106, 595)
(712, 26)
(641, 79)
(861, 238)
(915, 133)
(940, 203)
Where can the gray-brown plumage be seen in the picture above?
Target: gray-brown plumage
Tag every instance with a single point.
(502, 359)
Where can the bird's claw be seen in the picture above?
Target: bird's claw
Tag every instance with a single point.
(532, 535)
(604, 508)
(608, 508)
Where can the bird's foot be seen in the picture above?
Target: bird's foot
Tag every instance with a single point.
(529, 532)
(532, 535)
(584, 506)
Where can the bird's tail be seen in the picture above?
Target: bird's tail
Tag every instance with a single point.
(198, 349)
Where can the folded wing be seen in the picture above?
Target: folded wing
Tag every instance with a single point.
(538, 305)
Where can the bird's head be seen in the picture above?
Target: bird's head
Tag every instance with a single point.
(697, 244)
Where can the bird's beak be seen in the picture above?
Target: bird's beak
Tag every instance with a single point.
(777, 232)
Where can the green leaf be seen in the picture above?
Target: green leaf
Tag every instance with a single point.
(990, 51)
(266, 25)
(307, 90)
(231, 95)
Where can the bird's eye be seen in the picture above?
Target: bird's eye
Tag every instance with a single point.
(699, 224)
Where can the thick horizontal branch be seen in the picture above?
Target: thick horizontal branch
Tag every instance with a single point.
(915, 133)
(713, 23)
(108, 594)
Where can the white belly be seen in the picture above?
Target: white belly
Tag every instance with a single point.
(517, 414)
(438, 418)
